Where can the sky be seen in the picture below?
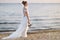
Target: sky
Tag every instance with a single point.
(30, 1)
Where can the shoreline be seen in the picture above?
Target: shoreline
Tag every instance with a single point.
(40, 35)
(34, 30)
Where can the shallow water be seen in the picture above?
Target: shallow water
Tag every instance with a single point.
(43, 15)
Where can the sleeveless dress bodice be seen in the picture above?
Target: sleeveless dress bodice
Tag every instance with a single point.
(25, 9)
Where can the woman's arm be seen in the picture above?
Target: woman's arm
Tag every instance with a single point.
(26, 14)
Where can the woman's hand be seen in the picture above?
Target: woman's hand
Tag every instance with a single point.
(29, 24)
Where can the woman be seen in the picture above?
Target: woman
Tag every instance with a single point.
(23, 27)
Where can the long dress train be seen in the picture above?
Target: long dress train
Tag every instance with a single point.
(21, 31)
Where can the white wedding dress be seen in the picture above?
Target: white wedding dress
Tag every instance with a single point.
(22, 28)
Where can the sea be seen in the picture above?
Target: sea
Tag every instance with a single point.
(42, 15)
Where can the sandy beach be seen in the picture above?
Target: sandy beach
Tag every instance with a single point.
(39, 35)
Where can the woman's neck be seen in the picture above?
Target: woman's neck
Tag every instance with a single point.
(25, 6)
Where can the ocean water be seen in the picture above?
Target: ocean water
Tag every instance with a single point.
(42, 15)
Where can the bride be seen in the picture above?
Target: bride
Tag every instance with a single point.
(23, 27)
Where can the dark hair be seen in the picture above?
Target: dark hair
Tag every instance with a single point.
(24, 2)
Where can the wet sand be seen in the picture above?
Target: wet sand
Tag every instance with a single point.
(40, 35)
